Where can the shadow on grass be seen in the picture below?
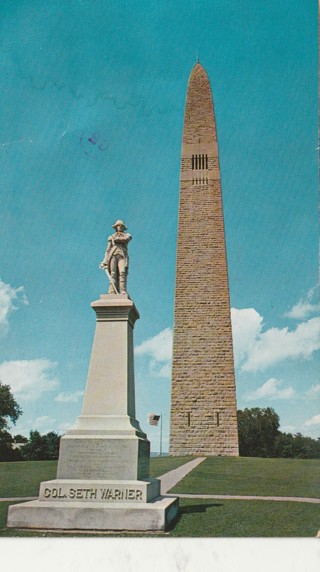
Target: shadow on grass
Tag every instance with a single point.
(191, 509)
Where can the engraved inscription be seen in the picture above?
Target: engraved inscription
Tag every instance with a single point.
(124, 494)
(89, 494)
(54, 493)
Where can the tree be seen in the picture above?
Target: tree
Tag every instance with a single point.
(297, 446)
(41, 447)
(34, 450)
(285, 445)
(7, 453)
(258, 430)
(306, 447)
(259, 436)
(20, 439)
(53, 442)
(9, 408)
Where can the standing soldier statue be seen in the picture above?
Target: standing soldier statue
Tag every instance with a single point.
(116, 259)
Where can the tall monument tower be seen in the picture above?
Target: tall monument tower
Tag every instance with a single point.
(203, 400)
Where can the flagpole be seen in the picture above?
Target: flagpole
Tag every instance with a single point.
(160, 434)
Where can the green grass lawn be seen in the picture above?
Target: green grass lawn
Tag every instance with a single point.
(22, 479)
(161, 465)
(231, 518)
(215, 518)
(206, 517)
(253, 476)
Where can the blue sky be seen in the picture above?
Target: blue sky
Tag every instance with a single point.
(116, 72)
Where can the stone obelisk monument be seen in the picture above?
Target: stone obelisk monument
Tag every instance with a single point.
(103, 469)
(203, 401)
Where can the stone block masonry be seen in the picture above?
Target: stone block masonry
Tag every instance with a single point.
(203, 398)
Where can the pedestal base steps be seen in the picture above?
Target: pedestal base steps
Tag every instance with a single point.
(75, 504)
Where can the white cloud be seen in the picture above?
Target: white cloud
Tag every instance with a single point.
(159, 350)
(163, 371)
(270, 390)
(63, 427)
(8, 295)
(69, 397)
(159, 347)
(256, 350)
(246, 327)
(304, 308)
(314, 391)
(43, 423)
(315, 420)
(287, 428)
(276, 345)
(29, 379)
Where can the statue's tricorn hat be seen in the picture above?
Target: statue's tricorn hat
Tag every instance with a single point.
(117, 223)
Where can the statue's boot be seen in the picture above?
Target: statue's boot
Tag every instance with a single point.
(123, 283)
(113, 284)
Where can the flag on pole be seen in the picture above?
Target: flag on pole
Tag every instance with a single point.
(153, 418)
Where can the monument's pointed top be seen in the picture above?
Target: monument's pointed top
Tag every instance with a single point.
(199, 123)
(197, 64)
(198, 73)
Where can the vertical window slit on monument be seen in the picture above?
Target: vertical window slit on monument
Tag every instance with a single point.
(199, 162)
(189, 419)
(218, 418)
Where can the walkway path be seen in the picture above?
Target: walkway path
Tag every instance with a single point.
(169, 480)
(246, 497)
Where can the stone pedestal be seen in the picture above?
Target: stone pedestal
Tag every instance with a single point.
(107, 441)
(102, 479)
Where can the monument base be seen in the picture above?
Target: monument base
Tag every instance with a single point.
(76, 504)
(97, 454)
